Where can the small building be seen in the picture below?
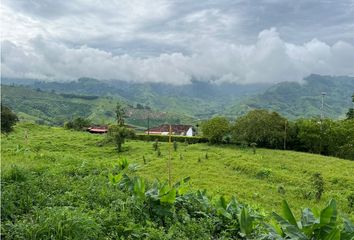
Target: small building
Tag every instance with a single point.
(176, 129)
(98, 129)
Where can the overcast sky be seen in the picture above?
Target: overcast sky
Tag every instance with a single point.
(177, 40)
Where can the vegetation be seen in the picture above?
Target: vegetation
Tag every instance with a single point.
(301, 100)
(228, 170)
(264, 128)
(216, 129)
(118, 134)
(120, 114)
(350, 113)
(79, 124)
(8, 119)
(270, 130)
(163, 138)
(200, 100)
(49, 192)
(52, 108)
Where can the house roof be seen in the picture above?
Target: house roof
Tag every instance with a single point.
(176, 128)
(98, 129)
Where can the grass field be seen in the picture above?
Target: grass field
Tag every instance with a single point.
(222, 170)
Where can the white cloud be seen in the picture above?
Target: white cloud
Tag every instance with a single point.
(270, 59)
(175, 41)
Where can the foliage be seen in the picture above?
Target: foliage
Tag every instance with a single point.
(318, 184)
(118, 134)
(327, 137)
(155, 145)
(8, 119)
(313, 225)
(79, 124)
(53, 108)
(120, 114)
(65, 177)
(175, 145)
(215, 129)
(163, 138)
(264, 128)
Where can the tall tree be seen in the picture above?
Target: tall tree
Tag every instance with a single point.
(350, 113)
(216, 129)
(120, 113)
(8, 119)
(264, 128)
(118, 134)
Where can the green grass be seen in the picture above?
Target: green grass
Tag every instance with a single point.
(228, 170)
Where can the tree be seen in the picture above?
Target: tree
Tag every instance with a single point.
(350, 113)
(215, 129)
(78, 124)
(8, 119)
(120, 113)
(264, 128)
(118, 134)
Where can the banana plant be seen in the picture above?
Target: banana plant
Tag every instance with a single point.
(240, 218)
(313, 225)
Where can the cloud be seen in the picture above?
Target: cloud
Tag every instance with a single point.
(175, 41)
(270, 59)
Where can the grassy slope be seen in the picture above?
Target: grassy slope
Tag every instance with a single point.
(31, 105)
(228, 170)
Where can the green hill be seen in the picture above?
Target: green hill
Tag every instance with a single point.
(295, 100)
(62, 184)
(199, 100)
(222, 170)
(56, 108)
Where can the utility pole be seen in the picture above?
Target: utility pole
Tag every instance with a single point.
(322, 105)
(148, 124)
(321, 120)
(285, 125)
(169, 159)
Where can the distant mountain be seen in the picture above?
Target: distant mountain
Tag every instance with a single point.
(198, 100)
(295, 100)
(56, 108)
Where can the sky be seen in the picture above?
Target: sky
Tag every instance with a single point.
(176, 41)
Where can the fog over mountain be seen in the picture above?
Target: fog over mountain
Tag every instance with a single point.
(265, 41)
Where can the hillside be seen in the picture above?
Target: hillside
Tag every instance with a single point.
(56, 108)
(198, 99)
(295, 100)
(227, 170)
(202, 100)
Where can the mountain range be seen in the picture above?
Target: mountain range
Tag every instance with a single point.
(55, 102)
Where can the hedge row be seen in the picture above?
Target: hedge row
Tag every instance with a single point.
(164, 138)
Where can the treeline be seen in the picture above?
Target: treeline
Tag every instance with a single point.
(86, 97)
(270, 130)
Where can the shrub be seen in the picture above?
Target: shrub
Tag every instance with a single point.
(79, 124)
(8, 119)
(163, 138)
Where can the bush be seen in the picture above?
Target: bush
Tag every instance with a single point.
(8, 119)
(216, 129)
(163, 138)
(79, 124)
(117, 135)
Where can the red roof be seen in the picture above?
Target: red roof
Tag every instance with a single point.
(98, 129)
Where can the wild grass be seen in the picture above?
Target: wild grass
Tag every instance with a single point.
(63, 163)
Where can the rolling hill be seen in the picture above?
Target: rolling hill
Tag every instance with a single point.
(56, 108)
(198, 100)
(303, 100)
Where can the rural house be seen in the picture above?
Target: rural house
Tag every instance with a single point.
(177, 129)
(98, 129)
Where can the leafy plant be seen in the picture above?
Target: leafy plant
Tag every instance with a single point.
(318, 184)
(313, 224)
